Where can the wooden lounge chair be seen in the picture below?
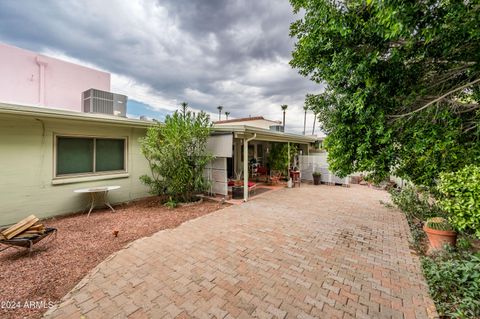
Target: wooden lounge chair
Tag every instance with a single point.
(27, 242)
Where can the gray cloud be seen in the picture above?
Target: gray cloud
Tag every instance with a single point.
(233, 53)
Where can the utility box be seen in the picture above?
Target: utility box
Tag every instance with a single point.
(97, 101)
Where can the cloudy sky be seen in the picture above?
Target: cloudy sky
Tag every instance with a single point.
(160, 53)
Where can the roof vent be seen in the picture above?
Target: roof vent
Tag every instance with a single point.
(96, 101)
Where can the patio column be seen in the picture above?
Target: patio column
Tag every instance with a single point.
(288, 169)
(245, 166)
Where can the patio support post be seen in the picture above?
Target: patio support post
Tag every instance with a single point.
(245, 166)
(288, 173)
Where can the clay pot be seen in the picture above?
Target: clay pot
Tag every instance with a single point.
(438, 238)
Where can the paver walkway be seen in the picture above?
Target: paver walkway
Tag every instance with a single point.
(309, 252)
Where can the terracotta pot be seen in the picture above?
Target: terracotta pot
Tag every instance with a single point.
(438, 238)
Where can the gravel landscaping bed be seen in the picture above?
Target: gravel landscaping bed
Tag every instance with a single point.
(30, 283)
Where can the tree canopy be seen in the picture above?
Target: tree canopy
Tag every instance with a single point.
(402, 83)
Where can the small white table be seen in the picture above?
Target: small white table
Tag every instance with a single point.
(98, 195)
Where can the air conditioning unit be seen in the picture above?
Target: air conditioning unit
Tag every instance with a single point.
(96, 101)
(276, 128)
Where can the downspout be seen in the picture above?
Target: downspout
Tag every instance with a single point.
(41, 80)
(245, 165)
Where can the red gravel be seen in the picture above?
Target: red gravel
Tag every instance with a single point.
(56, 266)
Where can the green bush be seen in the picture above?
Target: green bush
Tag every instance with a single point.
(170, 203)
(460, 198)
(454, 283)
(453, 276)
(418, 207)
(415, 203)
(177, 156)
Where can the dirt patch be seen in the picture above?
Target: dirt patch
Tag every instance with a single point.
(57, 265)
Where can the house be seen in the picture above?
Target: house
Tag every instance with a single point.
(29, 78)
(248, 141)
(48, 152)
(253, 121)
(237, 147)
(45, 154)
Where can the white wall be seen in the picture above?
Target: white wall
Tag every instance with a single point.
(216, 173)
(220, 145)
(318, 163)
(265, 124)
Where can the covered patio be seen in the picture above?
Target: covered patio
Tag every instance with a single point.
(251, 148)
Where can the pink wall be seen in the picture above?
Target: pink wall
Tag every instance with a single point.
(30, 78)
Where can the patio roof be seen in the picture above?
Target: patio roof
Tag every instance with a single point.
(43, 112)
(245, 131)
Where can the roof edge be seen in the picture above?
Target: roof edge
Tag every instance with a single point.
(252, 130)
(242, 119)
(42, 112)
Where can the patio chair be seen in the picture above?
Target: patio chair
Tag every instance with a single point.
(275, 177)
(262, 172)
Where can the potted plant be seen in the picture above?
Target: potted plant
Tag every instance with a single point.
(440, 233)
(317, 178)
(237, 189)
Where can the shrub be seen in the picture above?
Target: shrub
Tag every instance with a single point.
(415, 203)
(177, 156)
(418, 207)
(460, 197)
(454, 284)
(171, 204)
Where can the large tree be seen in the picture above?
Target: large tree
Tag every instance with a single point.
(402, 83)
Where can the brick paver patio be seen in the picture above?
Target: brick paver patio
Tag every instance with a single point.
(309, 252)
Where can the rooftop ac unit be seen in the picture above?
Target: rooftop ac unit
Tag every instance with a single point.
(276, 128)
(96, 101)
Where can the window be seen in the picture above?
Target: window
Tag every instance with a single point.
(89, 155)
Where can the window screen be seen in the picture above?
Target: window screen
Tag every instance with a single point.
(110, 155)
(74, 155)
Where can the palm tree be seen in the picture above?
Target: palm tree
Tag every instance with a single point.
(227, 114)
(305, 108)
(314, 118)
(284, 109)
(219, 108)
(184, 107)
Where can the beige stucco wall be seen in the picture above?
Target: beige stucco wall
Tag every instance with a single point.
(26, 167)
(264, 124)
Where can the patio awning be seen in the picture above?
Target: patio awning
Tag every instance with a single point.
(243, 131)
